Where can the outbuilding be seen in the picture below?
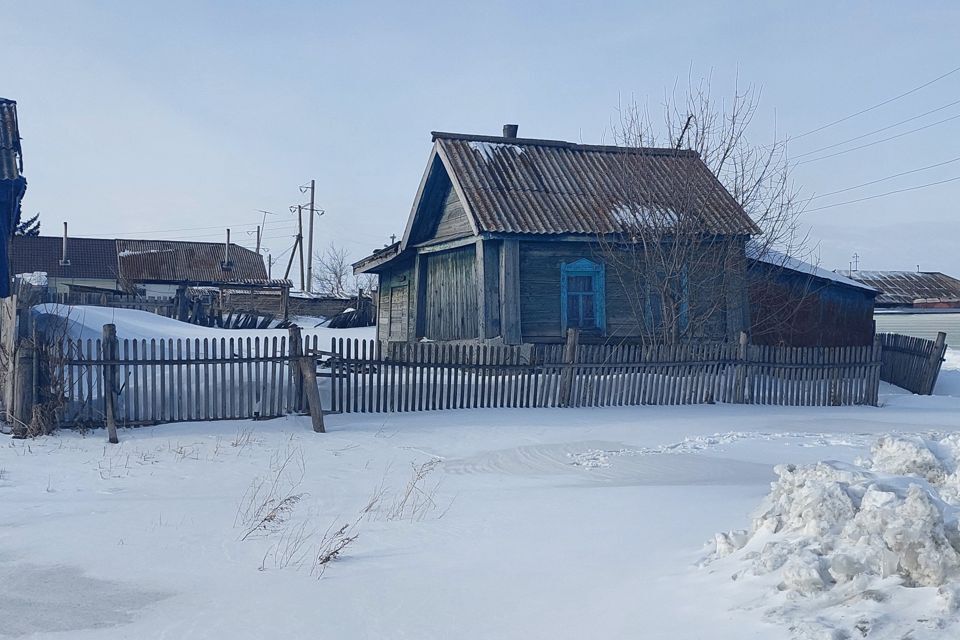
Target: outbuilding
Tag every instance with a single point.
(795, 303)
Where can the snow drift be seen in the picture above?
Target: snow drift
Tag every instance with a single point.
(832, 534)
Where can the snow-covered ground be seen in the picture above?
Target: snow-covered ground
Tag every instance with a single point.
(86, 322)
(564, 523)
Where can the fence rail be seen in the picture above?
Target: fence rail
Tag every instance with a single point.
(368, 376)
(912, 363)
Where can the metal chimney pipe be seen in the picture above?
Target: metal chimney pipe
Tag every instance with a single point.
(63, 250)
(226, 251)
(510, 130)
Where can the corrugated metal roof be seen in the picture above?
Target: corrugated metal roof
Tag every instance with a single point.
(522, 185)
(90, 258)
(137, 260)
(175, 261)
(9, 141)
(907, 287)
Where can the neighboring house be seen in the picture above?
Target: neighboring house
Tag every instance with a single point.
(154, 268)
(798, 304)
(913, 289)
(915, 303)
(12, 185)
(505, 242)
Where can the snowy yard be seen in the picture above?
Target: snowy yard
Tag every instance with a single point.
(594, 523)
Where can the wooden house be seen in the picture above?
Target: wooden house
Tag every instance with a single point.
(153, 268)
(798, 304)
(514, 240)
(911, 289)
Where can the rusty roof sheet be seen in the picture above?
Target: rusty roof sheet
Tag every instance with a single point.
(907, 287)
(178, 261)
(10, 158)
(522, 185)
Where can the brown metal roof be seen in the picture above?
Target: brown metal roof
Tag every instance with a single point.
(522, 185)
(138, 261)
(90, 258)
(906, 287)
(175, 261)
(10, 151)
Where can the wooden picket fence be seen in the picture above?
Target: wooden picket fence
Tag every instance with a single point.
(369, 376)
(170, 380)
(912, 363)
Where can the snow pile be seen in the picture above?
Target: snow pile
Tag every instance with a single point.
(489, 150)
(948, 382)
(35, 278)
(832, 533)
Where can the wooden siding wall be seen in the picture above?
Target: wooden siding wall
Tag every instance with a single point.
(450, 301)
(453, 221)
(787, 308)
(716, 317)
(441, 215)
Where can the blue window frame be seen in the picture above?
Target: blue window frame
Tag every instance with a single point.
(582, 303)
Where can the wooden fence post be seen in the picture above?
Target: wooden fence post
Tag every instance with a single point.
(303, 366)
(740, 390)
(295, 344)
(23, 393)
(308, 369)
(569, 358)
(110, 381)
(936, 360)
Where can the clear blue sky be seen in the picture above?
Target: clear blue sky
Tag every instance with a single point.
(143, 119)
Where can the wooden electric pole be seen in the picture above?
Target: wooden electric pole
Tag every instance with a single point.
(310, 241)
(303, 286)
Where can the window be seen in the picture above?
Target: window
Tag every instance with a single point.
(582, 295)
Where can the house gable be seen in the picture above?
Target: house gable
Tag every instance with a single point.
(439, 213)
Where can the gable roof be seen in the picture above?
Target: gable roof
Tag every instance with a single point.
(136, 260)
(550, 187)
(782, 261)
(907, 287)
(10, 158)
(179, 261)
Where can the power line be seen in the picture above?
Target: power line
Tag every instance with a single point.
(896, 175)
(870, 144)
(891, 126)
(881, 195)
(876, 106)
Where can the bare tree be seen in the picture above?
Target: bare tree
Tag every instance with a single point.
(676, 264)
(333, 274)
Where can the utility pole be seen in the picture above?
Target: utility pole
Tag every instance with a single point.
(856, 262)
(310, 241)
(293, 254)
(303, 286)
